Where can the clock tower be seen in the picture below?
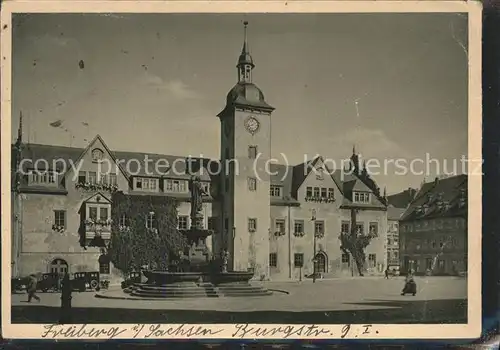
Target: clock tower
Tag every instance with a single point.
(245, 214)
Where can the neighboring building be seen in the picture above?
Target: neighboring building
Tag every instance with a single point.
(393, 216)
(433, 230)
(262, 218)
(402, 199)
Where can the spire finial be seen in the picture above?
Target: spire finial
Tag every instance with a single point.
(385, 191)
(353, 149)
(245, 44)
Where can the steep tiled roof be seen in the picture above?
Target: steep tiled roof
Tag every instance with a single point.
(394, 213)
(402, 199)
(440, 198)
(290, 177)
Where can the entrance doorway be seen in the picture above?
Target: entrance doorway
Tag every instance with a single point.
(59, 266)
(321, 260)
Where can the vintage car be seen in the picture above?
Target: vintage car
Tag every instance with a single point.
(133, 277)
(83, 281)
(18, 284)
(49, 282)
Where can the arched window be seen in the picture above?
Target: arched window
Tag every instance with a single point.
(321, 262)
(59, 266)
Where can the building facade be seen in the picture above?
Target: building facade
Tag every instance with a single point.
(265, 215)
(433, 230)
(393, 216)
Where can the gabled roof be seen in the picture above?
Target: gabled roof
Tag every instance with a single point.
(98, 197)
(99, 138)
(439, 198)
(302, 171)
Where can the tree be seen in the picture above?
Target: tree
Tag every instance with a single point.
(354, 243)
(144, 232)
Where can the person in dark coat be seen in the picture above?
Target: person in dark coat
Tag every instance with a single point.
(31, 288)
(410, 285)
(387, 273)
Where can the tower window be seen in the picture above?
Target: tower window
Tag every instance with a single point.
(252, 184)
(252, 225)
(252, 152)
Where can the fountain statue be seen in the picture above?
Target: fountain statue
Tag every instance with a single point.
(199, 277)
(197, 234)
(225, 259)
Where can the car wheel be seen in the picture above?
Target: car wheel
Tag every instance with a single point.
(94, 284)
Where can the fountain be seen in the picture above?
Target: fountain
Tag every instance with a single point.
(200, 276)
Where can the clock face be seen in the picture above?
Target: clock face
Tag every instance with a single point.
(252, 125)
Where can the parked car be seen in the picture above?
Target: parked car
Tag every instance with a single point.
(48, 282)
(133, 277)
(18, 284)
(83, 281)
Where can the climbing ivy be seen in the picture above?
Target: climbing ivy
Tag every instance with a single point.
(134, 245)
(354, 244)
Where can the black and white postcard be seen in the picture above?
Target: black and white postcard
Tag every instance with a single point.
(241, 169)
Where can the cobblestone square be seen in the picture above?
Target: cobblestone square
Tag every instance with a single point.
(357, 300)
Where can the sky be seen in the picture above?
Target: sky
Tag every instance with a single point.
(394, 85)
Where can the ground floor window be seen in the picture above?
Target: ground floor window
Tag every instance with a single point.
(321, 262)
(345, 258)
(441, 265)
(273, 259)
(372, 260)
(298, 259)
(428, 264)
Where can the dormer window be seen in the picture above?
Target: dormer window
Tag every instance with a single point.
(361, 197)
(178, 186)
(42, 177)
(97, 155)
(146, 184)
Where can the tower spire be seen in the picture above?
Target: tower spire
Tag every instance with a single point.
(244, 50)
(245, 61)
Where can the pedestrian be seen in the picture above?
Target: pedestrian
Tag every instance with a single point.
(387, 273)
(66, 291)
(31, 288)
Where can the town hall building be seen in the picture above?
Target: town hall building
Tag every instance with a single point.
(267, 218)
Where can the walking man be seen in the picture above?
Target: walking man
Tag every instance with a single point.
(31, 288)
(387, 273)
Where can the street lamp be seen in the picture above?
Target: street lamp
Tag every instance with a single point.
(313, 219)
